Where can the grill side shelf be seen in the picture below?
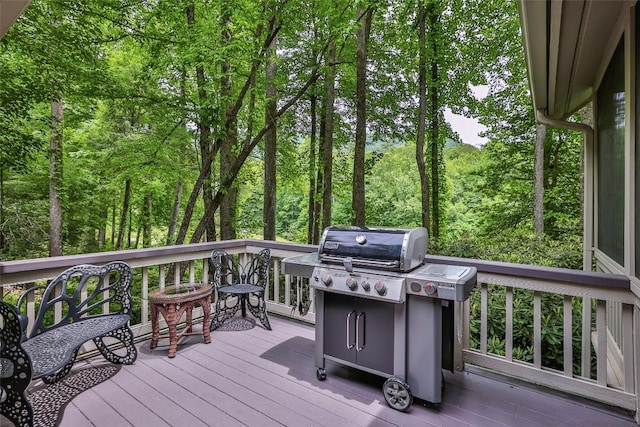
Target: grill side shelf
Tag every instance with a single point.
(300, 265)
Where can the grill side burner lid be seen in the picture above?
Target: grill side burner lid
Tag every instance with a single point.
(383, 248)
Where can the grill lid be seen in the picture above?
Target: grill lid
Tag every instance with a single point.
(383, 248)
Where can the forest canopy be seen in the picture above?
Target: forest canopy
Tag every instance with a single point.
(150, 123)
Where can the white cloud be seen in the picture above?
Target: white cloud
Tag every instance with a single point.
(467, 128)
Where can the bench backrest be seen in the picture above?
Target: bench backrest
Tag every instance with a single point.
(82, 291)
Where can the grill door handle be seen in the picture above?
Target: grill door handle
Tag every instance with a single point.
(363, 317)
(350, 345)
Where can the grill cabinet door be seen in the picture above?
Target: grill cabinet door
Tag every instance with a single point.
(372, 320)
(338, 310)
(375, 334)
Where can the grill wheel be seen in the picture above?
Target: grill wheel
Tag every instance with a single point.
(397, 394)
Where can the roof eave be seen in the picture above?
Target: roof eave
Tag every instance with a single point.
(10, 10)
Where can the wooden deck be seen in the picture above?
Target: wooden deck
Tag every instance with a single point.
(257, 377)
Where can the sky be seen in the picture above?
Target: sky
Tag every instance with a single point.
(467, 128)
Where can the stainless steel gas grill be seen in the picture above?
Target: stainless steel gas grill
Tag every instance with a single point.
(380, 309)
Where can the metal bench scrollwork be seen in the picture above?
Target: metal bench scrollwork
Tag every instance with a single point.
(81, 296)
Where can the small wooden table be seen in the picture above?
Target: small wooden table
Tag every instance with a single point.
(173, 302)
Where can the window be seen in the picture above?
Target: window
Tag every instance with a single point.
(610, 158)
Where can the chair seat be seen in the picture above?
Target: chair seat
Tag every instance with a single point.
(240, 288)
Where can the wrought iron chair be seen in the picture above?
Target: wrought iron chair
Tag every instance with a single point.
(233, 281)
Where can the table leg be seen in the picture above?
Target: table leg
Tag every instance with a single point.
(205, 303)
(173, 334)
(189, 317)
(155, 327)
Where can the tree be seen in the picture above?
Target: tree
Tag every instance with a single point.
(538, 179)
(425, 185)
(270, 141)
(55, 178)
(365, 17)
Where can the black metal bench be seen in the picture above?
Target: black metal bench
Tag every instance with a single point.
(80, 296)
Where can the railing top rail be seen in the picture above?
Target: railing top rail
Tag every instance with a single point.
(586, 278)
(140, 257)
(20, 271)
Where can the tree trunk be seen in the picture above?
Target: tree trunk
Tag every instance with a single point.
(312, 224)
(327, 192)
(434, 20)
(113, 224)
(230, 118)
(146, 221)
(123, 216)
(271, 110)
(130, 226)
(229, 141)
(175, 212)
(55, 178)
(358, 190)
(242, 157)
(204, 130)
(102, 231)
(422, 117)
(538, 179)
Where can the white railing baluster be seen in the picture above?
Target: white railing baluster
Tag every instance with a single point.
(586, 338)
(192, 271)
(508, 339)
(483, 317)
(144, 315)
(568, 336)
(205, 270)
(537, 329)
(601, 342)
(276, 290)
(627, 347)
(161, 276)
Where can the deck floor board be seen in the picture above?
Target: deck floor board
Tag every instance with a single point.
(266, 378)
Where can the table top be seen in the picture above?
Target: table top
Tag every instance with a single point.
(180, 293)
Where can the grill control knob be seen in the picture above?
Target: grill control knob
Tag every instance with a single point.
(430, 288)
(326, 279)
(380, 288)
(365, 285)
(352, 283)
(416, 287)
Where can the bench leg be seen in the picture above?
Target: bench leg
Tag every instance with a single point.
(17, 409)
(54, 378)
(125, 336)
(15, 369)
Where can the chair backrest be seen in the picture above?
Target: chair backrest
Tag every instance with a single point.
(227, 271)
(81, 291)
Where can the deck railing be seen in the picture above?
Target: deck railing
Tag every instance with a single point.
(589, 321)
